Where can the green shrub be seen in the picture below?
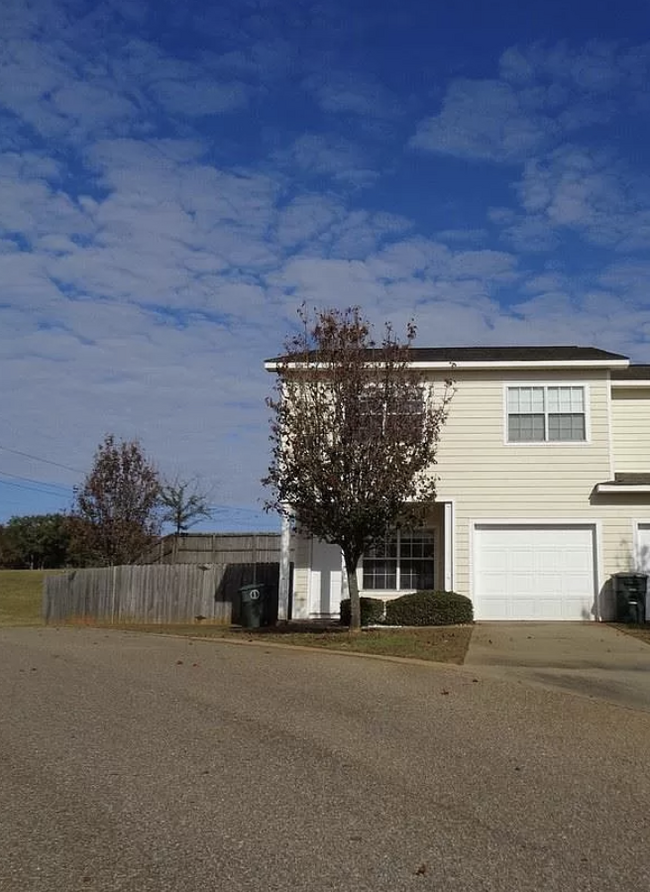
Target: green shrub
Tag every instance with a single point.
(429, 609)
(372, 611)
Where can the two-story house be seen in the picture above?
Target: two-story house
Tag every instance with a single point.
(543, 490)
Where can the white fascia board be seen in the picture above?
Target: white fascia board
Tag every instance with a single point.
(633, 382)
(495, 364)
(525, 364)
(622, 488)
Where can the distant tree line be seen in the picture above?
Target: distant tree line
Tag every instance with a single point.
(117, 512)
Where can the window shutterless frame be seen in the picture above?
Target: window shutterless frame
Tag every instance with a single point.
(547, 386)
(400, 563)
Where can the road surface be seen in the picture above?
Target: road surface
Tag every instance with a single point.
(135, 762)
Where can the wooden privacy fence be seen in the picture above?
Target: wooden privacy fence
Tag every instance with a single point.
(177, 593)
(214, 548)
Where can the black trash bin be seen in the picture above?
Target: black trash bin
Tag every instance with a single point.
(630, 590)
(252, 605)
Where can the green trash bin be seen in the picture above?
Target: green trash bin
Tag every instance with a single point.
(252, 605)
(630, 590)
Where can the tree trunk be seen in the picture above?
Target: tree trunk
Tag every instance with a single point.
(353, 591)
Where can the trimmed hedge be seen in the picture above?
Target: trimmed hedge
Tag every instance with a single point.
(372, 611)
(428, 608)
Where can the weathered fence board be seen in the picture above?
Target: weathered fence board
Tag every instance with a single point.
(214, 548)
(171, 593)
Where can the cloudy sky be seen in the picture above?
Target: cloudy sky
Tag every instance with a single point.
(175, 178)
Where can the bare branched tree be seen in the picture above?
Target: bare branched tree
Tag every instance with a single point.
(116, 510)
(354, 433)
(184, 503)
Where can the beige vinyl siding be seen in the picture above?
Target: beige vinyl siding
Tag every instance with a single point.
(490, 479)
(631, 428)
(487, 479)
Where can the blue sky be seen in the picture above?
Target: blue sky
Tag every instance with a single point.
(176, 178)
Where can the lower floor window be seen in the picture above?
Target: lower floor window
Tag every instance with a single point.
(404, 560)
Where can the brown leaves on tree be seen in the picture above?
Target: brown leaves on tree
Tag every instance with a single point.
(115, 515)
(354, 433)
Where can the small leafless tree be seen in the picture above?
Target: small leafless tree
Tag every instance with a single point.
(116, 510)
(354, 433)
(184, 503)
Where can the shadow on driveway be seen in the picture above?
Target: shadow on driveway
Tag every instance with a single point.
(590, 659)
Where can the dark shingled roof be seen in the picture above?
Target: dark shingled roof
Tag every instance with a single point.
(632, 373)
(507, 354)
(510, 354)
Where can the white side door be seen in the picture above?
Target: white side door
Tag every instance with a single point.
(643, 548)
(325, 579)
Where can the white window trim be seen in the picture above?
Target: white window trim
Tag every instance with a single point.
(636, 524)
(546, 443)
(396, 592)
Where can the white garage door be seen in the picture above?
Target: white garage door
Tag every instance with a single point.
(534, 572)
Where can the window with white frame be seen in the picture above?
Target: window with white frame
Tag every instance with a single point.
(539, 414)
(376, 416)
(403, 561)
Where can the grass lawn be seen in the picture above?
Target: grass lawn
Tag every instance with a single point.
(442, 644)
(21, 592)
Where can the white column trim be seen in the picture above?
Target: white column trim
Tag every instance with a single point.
(448, 539)
(285, 570)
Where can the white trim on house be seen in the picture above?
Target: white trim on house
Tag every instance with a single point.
(508, 385)
(453, 365)
(610, 433)
(449, 543)
(626, 488)
(639, 522)
(630, 382)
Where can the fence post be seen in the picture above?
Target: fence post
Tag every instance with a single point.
(114, 573)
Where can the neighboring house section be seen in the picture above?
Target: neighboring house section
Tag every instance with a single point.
(543, 489)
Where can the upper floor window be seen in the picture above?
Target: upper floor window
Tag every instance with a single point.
(403, 561)
(379, 415)
(541, 414)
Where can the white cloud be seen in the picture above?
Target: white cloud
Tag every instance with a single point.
(145, 278)
(348, 93)
(201, 97)
(591, 193)
(332, 156)
(598, 67)
(307, 217)
(543, 93)
(484, 120)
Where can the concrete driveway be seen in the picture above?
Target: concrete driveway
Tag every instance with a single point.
(591, 659)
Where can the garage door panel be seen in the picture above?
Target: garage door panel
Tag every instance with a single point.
(493, 585)
(523, 583)
(534, 572)
(520, 560)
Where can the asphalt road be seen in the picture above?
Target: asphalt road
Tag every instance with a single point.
(133, 762)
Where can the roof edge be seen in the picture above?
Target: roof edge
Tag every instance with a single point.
(272, 365)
